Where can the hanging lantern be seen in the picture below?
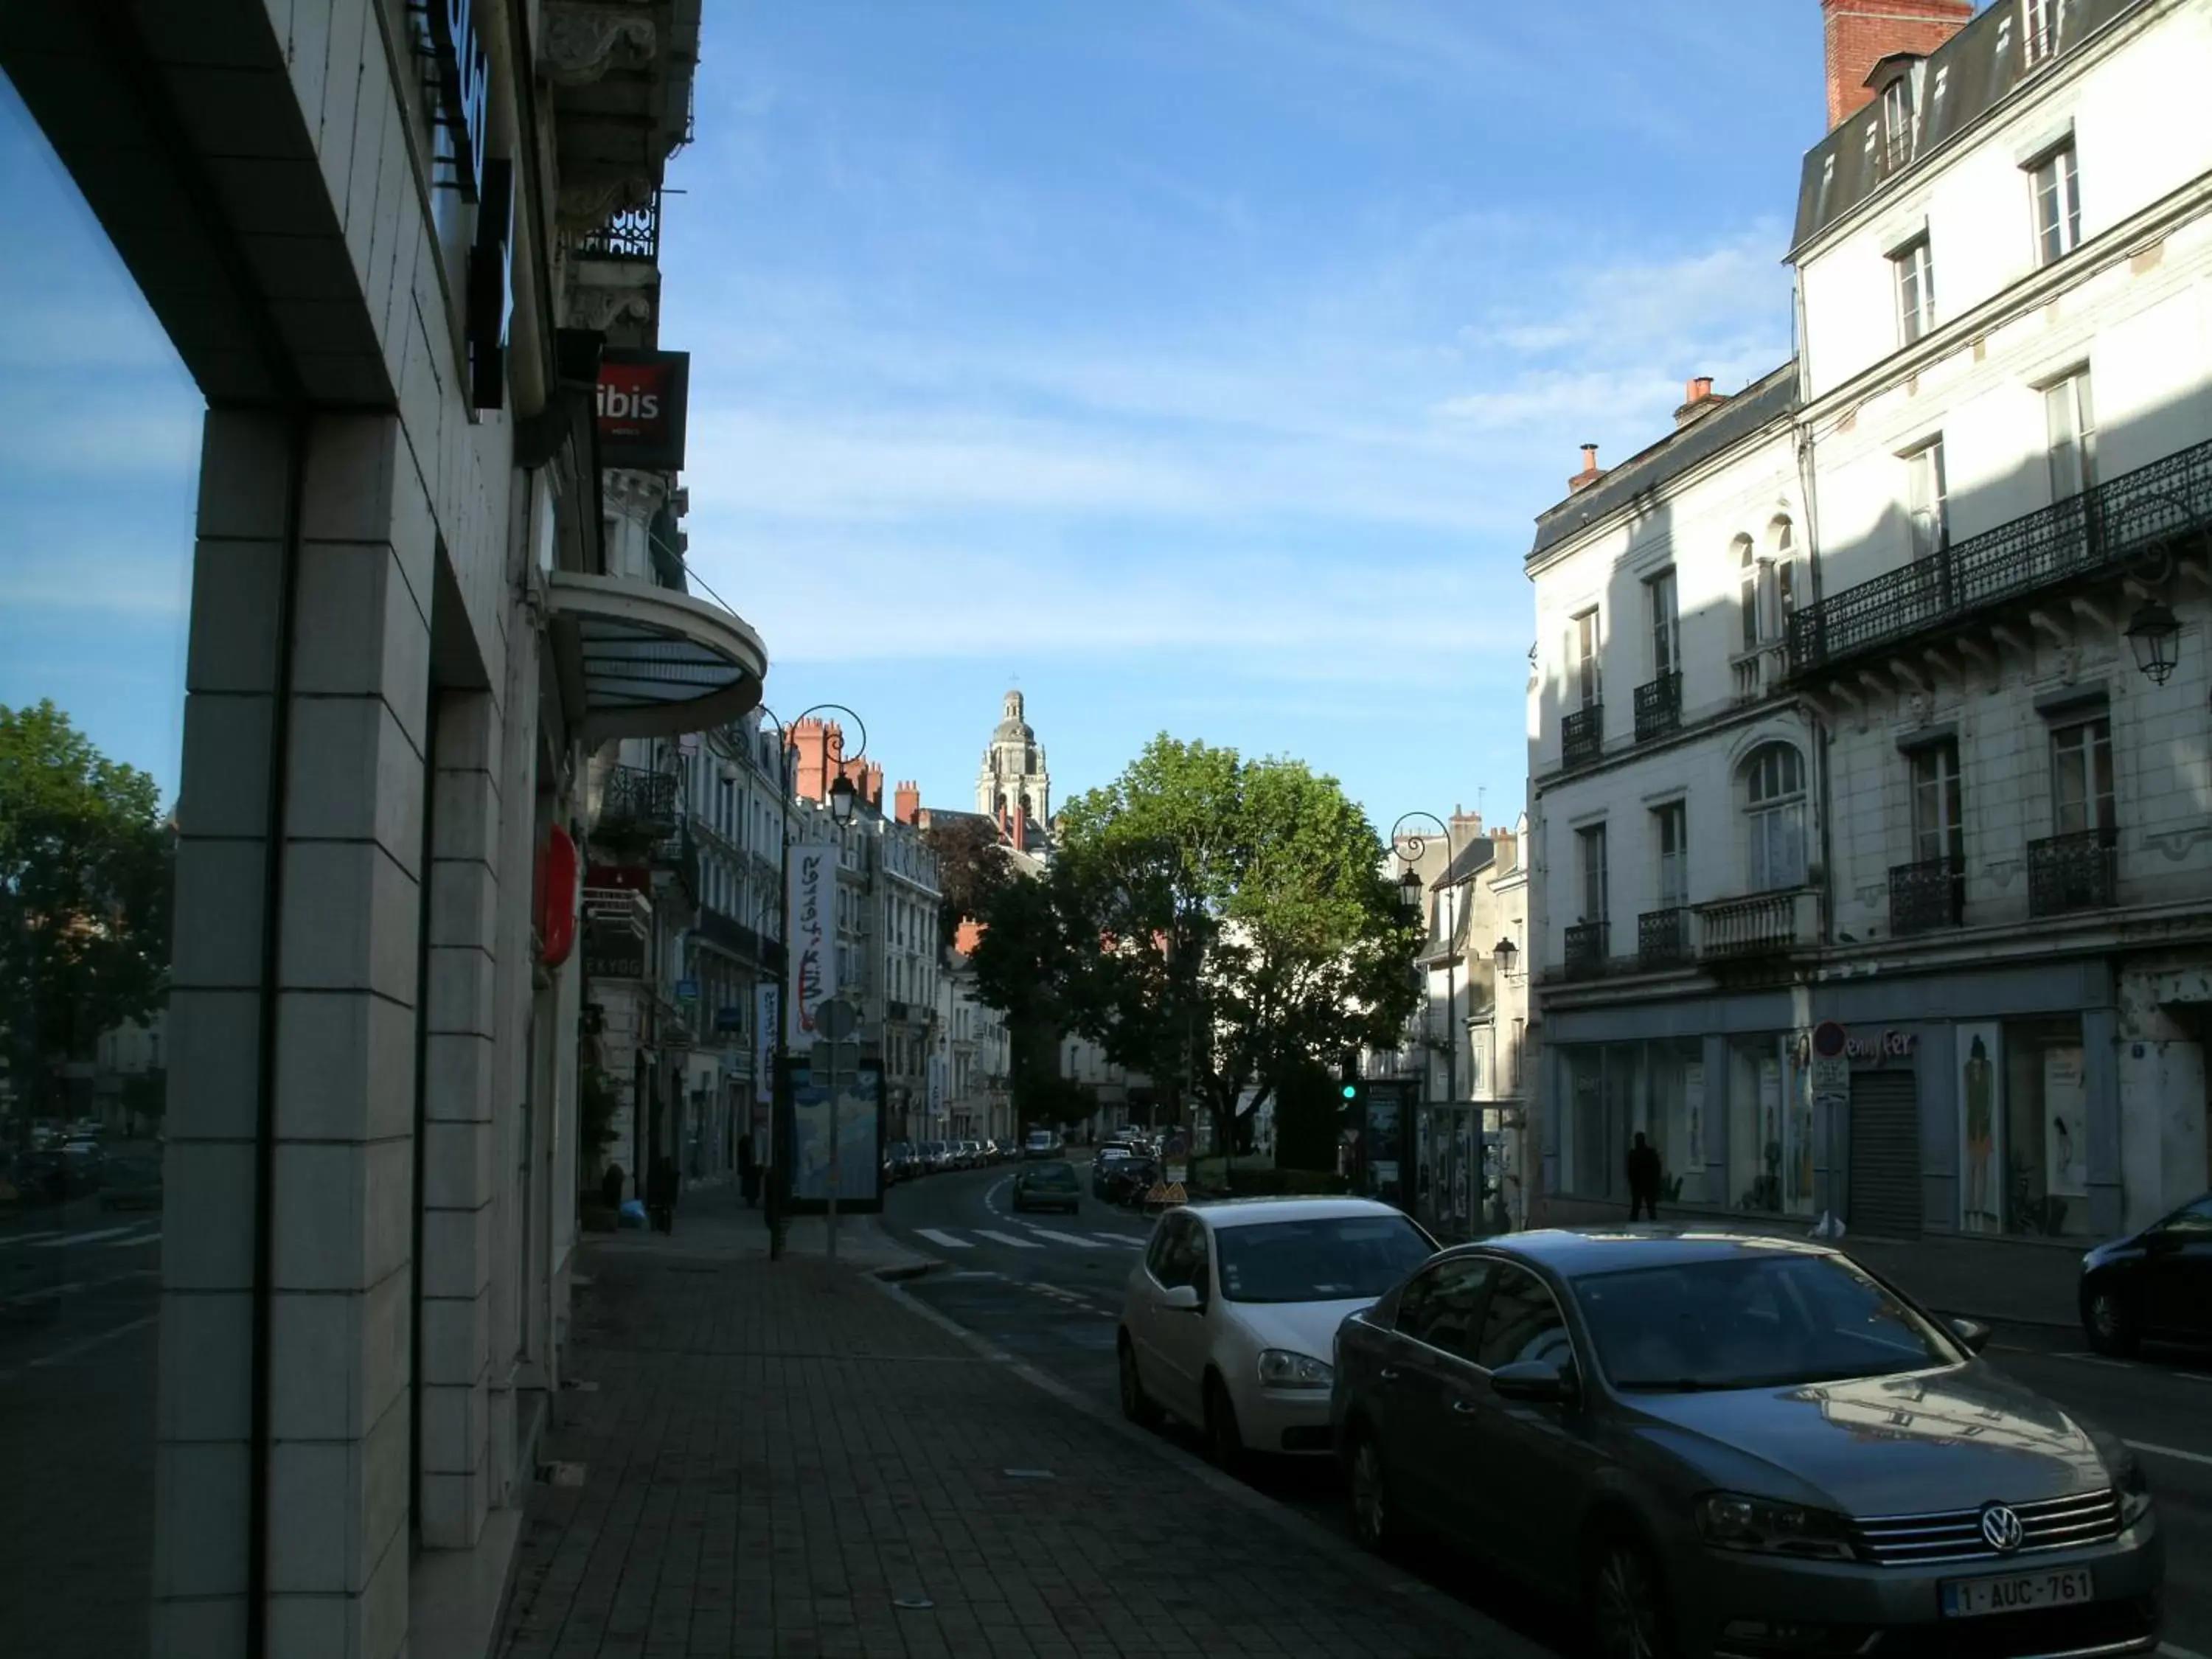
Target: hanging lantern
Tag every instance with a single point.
(2155, 635)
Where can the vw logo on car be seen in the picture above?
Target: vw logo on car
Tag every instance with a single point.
(2001, 1529)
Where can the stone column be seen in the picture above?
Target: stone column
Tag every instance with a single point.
(342, 1191)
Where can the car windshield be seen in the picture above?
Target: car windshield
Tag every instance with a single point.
(1051, 1175)
(1752, 1321)
(1338, 1258)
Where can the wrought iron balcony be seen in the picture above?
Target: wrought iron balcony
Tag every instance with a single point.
(1663, 937)
(727, 933)
(1586, 950)
(1763, 925)
(1582, 736)
(2085, 535)
(1926, 896)
(638, 801)
(617, 923)
(2066, 873)
(1659, 707)
(633, 234)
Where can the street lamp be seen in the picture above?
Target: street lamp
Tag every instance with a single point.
(842, 797)
(2152, 636)
(1503, 953)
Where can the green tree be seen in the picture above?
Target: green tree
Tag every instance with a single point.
(1024, 967)
(971, 866)
(85, 880)
(1216, 922)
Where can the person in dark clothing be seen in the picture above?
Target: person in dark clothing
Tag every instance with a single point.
(660, 1194)
(1643, 1172)
(748, 1170)
(610, 1185)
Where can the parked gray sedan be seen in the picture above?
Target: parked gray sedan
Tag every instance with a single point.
(1738, 1447)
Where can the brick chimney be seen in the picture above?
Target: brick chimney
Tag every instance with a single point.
(906, 806)
(1860, 33)
(1699, 398)
(868, 779)
(1591, 472)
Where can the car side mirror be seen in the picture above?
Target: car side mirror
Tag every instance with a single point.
(1181, 1298)
(1538, 1381)
(1972, 1333)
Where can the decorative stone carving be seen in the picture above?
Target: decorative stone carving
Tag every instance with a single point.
(2069, 663)
(587, 203)
(580, 44)
(1920, 706)
(600, 308)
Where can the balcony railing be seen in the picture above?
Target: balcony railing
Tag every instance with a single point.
(1765, 924)
(1586, 950)
(640, 800)
(2066, 873)
(726, 932)
(1663, 937)
(634, 233)
(1926, 896)
(1582, 736)
(2087, 535)
(1658, 708)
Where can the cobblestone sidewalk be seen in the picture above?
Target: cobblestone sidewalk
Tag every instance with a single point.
(782, 1460)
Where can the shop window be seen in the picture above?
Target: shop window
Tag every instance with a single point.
(2044, 1144)
(1755, 1152)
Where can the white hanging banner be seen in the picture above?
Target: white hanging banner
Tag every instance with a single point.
(764, 1018)
(811, 970)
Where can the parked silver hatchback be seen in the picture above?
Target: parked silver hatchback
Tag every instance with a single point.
(1732, 1447)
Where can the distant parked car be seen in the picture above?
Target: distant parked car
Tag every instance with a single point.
(2156, 1283)
(935, 1155)
(898, 1157)
(1039, 1143)
(131, 1184)
(1048, 1186)
(1726, 1446)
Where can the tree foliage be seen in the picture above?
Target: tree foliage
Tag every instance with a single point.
(971, 866)
(85, 877)
(1216, 922)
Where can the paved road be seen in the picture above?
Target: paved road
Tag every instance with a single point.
(1047, 1290)
(79, 1290)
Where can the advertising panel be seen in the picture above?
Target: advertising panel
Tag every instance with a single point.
(641, 399)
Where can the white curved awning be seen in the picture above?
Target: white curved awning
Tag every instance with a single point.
(641, 660)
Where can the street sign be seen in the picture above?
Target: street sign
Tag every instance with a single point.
(687, 990)
(1176, 1193)
(1177, 1174)
(1829, 1040)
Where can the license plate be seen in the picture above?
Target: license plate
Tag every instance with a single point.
(1972, 1598)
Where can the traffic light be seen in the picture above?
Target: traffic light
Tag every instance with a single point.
(1351, 1091)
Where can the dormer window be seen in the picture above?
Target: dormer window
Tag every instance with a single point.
(1897, 119)
(2040, 30)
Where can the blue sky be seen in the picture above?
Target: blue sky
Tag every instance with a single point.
(1194, 364)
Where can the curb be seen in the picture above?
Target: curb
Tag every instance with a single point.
(905, 1271)
(1499, 1643)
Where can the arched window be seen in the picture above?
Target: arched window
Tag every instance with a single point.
(1774, 808)
(1747, 560)
(1782, 542)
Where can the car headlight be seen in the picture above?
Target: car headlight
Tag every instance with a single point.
(1730, 1521)
(1281, 1368)
(2135, 1491)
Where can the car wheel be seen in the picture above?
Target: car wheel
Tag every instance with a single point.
(2106, 1319)
(1136, 1404)
(1224, 1444)
(1367, 1490)
(1627, 1604)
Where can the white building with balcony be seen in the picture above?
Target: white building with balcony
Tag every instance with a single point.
(1956, 830)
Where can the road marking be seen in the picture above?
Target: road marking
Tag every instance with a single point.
(32, 1238)
(1122, 1239)
(60, 1355)
(2124, 1365)
(2168, 1451)
(944, 1239)
(1008, 1238)
(67, 1239)
(1080, 1242)
(132, 1243)
(74, 1286)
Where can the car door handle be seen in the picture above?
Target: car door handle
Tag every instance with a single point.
(1465, 1408)
(1387, 1374)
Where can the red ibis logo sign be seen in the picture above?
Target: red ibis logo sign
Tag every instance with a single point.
(641, 399)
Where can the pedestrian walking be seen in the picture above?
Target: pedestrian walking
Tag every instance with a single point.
(1643, 1173)
(660, 1194)
(748, 1169)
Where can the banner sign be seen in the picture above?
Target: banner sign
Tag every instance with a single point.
(811, 968)
(641, 400)
(765, 1034)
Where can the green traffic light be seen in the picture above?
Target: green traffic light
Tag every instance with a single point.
(1352, 1092)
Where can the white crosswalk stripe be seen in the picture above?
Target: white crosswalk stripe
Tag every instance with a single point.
(1122, 1239)
(30, 1238)
(946, 1240)
(1065, 1238)
(67, 1239)
(131, 1243)
(1008, 1238)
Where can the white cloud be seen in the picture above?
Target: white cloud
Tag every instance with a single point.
(96, 581)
